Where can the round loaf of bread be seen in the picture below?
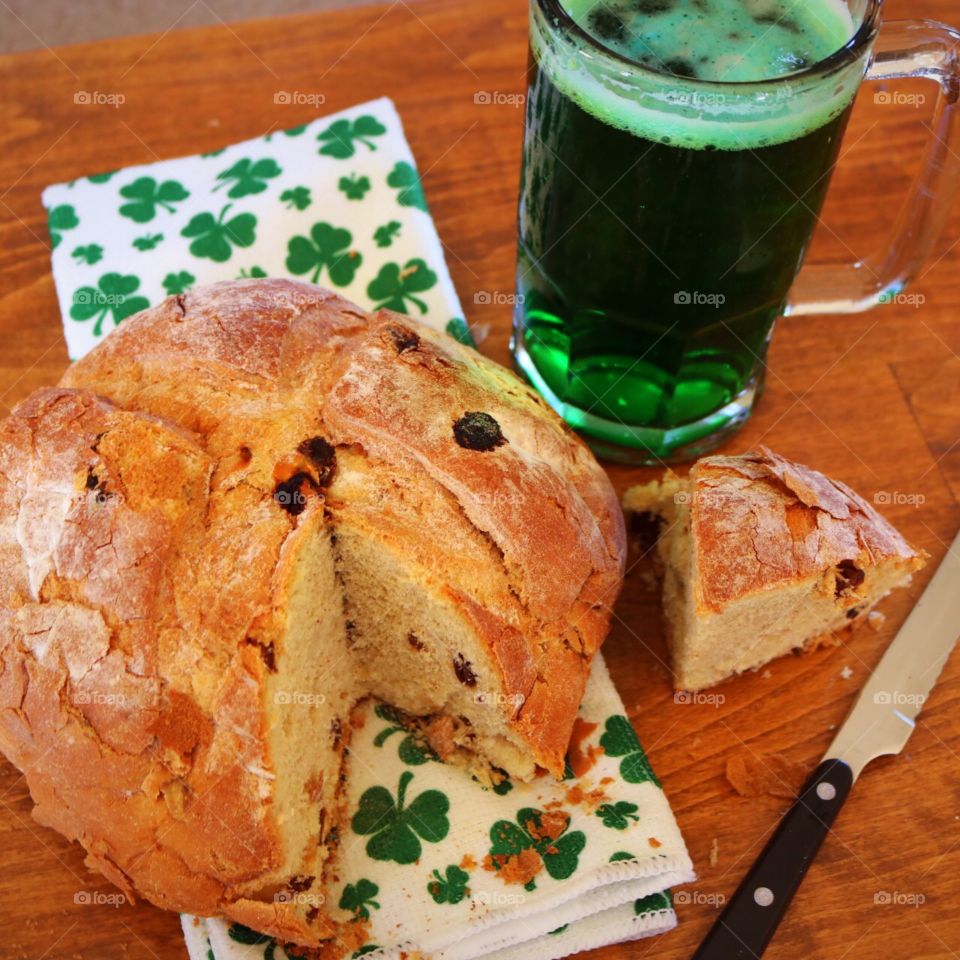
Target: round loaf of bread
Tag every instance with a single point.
(249, 508)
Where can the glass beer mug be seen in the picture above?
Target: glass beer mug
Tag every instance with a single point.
(668, 196)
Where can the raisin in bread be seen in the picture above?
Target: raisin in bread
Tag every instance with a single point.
(250, 507)
(760, 556)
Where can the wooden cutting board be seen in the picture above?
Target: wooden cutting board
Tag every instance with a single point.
(872, 399)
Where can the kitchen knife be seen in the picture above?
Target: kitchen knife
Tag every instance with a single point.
(879, 724)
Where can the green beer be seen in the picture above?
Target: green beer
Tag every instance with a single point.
(672, 177)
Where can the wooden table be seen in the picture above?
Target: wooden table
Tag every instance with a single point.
(872, 399)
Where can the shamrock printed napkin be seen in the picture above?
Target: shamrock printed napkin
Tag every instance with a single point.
(337, 201)
(429, 860)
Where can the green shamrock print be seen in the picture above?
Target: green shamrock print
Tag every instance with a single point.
(451, 888)
(175, 283)
(327, 246)
(619, 740)
(248, 177)
(458, 329)
(246, 274)
(653, 902)
(502, 788)
(405, 178)
(358, 898)
(558, 850)
(145, 195)
(393, 287)
(411, 751)
(101, 177)
(617, 816)
(112, 295)
(241, 934)
(385, 235)
(340, 138)
(366, 948)
(214, 237)
(621, 855)
(292, 132)
(397, 828)
(213, 153)
(148, 242)
(298, 197)
(60, 218)
(353, 187)
(90, 254)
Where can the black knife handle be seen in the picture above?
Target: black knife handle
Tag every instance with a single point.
(752, 916)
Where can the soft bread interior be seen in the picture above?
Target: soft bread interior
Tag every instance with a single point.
(363, 616)
(415, 650)
(707, 645)
(413, 643)
(309, 693)
(750, 632)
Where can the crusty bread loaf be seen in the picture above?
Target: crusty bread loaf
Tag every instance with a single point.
(760, 556)
(251, 506)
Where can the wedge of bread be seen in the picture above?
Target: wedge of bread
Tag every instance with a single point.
(760, 556)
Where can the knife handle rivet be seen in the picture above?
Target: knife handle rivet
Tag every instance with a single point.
(763, 896)
(826, 791)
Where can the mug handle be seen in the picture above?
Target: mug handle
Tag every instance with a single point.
(905, 48)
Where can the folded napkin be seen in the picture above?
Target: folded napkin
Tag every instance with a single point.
(337, 202)
(429, 860)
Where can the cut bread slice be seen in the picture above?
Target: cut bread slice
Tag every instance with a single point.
(760, 556)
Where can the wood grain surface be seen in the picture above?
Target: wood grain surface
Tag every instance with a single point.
(871, 399)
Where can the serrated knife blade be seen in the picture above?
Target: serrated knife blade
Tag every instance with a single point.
(885, 712)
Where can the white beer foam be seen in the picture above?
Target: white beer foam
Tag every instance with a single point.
(689, 113)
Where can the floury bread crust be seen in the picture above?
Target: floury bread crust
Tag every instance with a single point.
(251, 506)
(761, 556)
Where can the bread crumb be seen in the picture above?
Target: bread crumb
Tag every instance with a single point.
(714, 852)
(654, 842)
(467, 863)
(575, 795)
(775, 776)
(594, 798)
(480, 332)
(551, 826)
(580, 759)
(520, 868)
(441, 737)
(766, 675)
(846, 673)
(875, 619)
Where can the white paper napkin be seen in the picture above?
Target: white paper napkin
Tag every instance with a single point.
(447, 879)
(339, 202)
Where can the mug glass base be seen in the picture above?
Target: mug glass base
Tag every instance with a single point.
(644, 446)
